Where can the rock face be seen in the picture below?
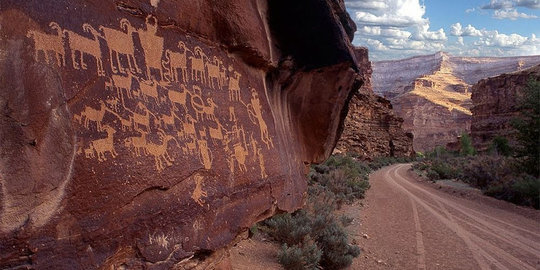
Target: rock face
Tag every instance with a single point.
(432, 93)
(371, 127)
(495, 104)
(136, 134)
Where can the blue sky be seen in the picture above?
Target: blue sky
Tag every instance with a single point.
(395, 29)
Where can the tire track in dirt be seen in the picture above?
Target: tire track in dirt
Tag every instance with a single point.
(482, 250)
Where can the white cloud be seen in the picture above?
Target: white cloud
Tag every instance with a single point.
(512, 14)
(457, 30)
(509, 4)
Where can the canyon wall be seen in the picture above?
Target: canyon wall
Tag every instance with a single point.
(432, 93)
(148, 134)
(496, 104)
(371, 128)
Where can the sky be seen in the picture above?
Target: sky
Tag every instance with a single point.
(396, 29)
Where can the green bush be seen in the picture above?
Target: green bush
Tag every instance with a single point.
(289, 228)
(299, 257)
(467, 148)
(500, 146)
(445, 170)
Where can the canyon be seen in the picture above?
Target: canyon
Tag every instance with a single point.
(150, 134)
(496, 103)
(432, 93)
(372, 129)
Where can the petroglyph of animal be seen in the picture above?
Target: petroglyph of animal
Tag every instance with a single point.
(179, 97)
(85, 45)
(102, 146)
(49, 44)
(160, 152)
(167, 120)
(234, 86)
(89, 153)
(208, 111)
(122, 82)
(190, 147)
(149, 90)
(188, 126)
(175, 61)
(198, 192)
(197, 65)
(214, 68)
(114, 103)
(240, 155)
(142, 119)
(216, 133)
(138, 144)
(255, 111)
(91, 114)
(121, 42)
(152, 45)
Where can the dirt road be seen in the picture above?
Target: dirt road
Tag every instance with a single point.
(410, 224)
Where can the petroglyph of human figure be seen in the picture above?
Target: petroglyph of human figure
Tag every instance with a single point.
(239, 149)
(152, 45)
(138, 144)
(198, 193)
(255, 115)
(203, 110)
(197, 65)
(205, 154)
(214, 69)
(176, 60)
(257, 152)
(179, 97)
(84, 45)
(49, 44)
(102, 146)
(234, 85)
(91, 114)
(121, 42)
(160, 151)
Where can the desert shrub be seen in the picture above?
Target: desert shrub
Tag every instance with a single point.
(523, 189)
(433, 175)
(299, 257)
(289, 228)
(528, 128)
(345, 220)
(445, 170)
(485, 171)
(337, 252)
(500, 146)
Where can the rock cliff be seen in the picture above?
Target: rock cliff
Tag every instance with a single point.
(495, 104)
(148, 134)
(432, 93)
(371, 127)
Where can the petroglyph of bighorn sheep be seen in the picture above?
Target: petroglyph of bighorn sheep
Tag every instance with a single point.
(138, 144)
(198, 192)
(197, 65)
(179, 97)
(214, 68)
(121, 42)
(160, 152)
(49, 43)
(85, 45)
(149, 89)
(91, 114)
(208, 111)
(102, 146)
(167, 120)
(176, 60)
(152, 45)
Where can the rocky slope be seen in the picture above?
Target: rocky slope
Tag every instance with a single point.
(495, 104)
(371, 127)
(432, 93)
(148, 134)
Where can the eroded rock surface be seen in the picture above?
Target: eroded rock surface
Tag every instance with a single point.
(432, 93)
(495, 104)
(137, 134)
(371, 128)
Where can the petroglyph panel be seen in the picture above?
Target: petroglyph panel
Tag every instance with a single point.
(166, 103)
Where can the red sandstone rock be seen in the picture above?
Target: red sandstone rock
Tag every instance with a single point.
(371, 127)
(496, 103)
(137, 134)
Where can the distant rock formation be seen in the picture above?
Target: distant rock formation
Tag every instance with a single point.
(148, 134)
(432, 92)
(371, 128)
(495, 104)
